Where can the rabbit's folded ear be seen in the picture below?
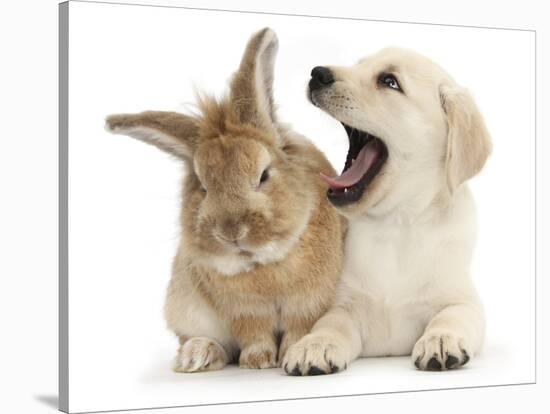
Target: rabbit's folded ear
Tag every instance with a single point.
(252, 85)
(172, 132)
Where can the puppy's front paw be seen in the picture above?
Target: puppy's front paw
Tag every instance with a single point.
(289, 338)
(200, 354)
(258, 356)
(440, 351)
(315, 355)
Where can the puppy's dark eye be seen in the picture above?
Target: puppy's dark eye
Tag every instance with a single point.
(265, 175)
(390, 81)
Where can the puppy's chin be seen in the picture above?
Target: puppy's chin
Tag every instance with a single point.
(369, 201)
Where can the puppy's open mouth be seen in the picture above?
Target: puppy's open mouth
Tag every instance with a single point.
(366, 156)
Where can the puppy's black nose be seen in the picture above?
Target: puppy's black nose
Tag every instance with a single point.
(320, 77)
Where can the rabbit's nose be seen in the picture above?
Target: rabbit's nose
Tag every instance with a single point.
(320, 77)
(231, 231)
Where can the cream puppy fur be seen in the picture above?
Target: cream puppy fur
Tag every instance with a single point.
(416, 137)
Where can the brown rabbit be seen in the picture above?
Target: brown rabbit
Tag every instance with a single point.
(261, 247)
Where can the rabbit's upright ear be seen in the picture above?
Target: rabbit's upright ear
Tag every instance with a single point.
(172, 132)
(252, 85)
(468, 141)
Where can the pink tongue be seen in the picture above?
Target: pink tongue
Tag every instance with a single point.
(358, 168)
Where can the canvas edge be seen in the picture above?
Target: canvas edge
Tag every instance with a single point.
(63, 207)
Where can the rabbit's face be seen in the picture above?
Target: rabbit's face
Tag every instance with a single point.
(249, 196)
(245, 209)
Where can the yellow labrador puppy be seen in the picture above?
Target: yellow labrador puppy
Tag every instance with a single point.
(415, 138)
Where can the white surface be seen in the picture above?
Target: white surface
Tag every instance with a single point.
(28, 168)
(123, 195)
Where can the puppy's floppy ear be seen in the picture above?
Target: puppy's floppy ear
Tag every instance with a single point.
(172, 132)
(251, 92)
(468, 141)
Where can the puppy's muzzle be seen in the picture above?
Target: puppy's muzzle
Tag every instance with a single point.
(321, 77)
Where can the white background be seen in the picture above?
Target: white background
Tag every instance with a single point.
(30, 219)
(123, 195)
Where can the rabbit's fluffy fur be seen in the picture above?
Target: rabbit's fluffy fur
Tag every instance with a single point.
(406, 286)
(261, 247)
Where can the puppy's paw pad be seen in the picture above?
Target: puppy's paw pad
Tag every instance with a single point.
(451, 362)
(200, 354)
(295, 371)
(439, 352)
(433, 364)
(258, 357)
(314, 355)
(316, 371)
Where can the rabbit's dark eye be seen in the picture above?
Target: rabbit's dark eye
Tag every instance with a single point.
(202, 187)
(265, 176)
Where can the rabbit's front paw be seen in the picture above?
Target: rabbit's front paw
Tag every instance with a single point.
(200, 354)
(439, 351)
(258, 355)
(315, 355)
